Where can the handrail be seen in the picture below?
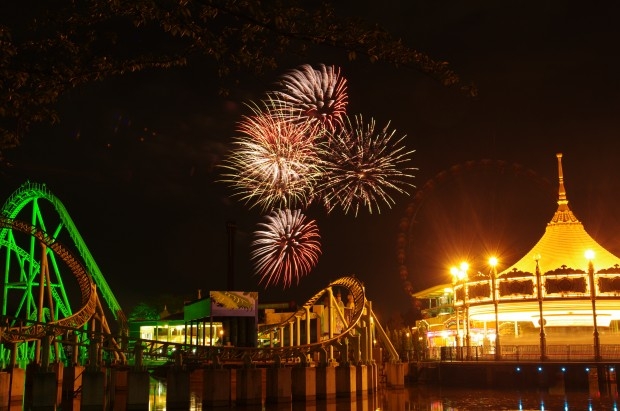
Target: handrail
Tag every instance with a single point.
(526, 353)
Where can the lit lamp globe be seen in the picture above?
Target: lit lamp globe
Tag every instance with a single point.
(459, 273)
(455, 274)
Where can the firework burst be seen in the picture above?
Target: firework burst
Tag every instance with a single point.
(361, 165)
(274, 162)
(285, 247)
(320, 95)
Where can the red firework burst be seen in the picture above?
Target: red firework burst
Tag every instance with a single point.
(285, 247)
(275, 161)
(317, 94)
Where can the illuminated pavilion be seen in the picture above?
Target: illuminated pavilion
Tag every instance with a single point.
(562, 295)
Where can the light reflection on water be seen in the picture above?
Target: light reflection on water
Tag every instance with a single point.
(426, 398)
(442, 399)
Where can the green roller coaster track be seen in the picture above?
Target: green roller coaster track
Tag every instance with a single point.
(25, 262)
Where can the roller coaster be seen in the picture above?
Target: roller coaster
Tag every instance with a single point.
(36, 304)
(40, 323)
(291, 342)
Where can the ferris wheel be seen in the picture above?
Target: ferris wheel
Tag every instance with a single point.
(470, 211)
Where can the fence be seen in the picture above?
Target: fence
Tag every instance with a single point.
(560, 352)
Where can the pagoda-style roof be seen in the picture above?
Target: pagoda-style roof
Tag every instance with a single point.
(564, 242)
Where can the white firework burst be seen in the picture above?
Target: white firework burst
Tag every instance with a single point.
(320, 95)
(362, 165)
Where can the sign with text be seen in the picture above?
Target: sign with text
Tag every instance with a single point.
(234, 303)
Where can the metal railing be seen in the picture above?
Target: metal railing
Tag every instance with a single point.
(526, 353)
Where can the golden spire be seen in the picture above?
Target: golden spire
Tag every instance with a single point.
(563, 214)
(562, 193)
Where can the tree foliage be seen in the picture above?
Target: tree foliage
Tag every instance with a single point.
(50, 47)
(144, 311)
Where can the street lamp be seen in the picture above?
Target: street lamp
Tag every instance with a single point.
(541, 320)
(459, 275)
(493, 264)
(597, 345)
(457, 312)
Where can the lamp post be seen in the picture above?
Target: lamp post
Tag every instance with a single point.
(498, 348)
(457, 312)
(597, 343)
(543, 337)
(460, 277)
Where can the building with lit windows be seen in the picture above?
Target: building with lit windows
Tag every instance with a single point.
(222, 318)
(561, 300)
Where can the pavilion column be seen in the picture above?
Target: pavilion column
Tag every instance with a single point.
(543, 337)
(597, 343)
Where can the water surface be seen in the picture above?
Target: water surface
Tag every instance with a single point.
(430, 398)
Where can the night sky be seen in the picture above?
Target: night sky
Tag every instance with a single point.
(134, 159)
